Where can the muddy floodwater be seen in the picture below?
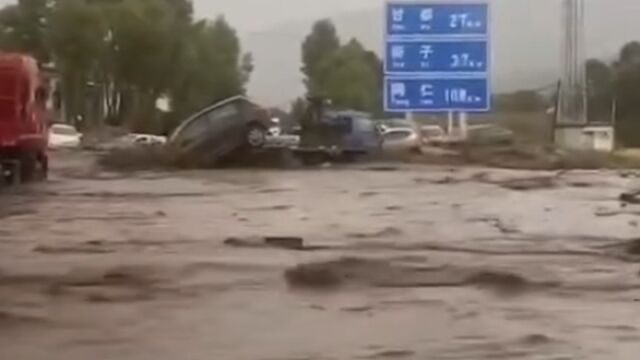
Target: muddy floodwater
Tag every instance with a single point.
(377, 262)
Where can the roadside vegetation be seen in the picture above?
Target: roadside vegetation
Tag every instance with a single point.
(129, 54)
(132, 54)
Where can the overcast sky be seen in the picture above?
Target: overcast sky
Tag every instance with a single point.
(255, 15)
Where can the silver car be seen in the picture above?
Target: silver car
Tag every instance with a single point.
(402, 140)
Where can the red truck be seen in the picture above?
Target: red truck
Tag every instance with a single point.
(23, 119)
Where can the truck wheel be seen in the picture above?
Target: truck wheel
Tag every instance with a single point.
(28, 164)
(43, 161)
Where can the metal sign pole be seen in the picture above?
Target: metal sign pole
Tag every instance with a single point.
(450, 123)
(464, 125)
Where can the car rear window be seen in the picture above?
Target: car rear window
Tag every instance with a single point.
(397, 135)
(364, 125)
(63, 130)
(433, 132)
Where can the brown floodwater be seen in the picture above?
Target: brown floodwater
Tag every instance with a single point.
(398, 262)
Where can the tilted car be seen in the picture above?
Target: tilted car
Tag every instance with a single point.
(220, 130)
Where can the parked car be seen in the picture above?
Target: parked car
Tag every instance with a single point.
(401, 140)
(130, 141)
(431, 134)
(477, 135)
(148, 140)
(220, 130)
(62, 136)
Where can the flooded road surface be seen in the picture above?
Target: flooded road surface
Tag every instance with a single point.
(397, 263)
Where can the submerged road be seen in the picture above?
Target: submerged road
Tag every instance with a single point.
(400, 262)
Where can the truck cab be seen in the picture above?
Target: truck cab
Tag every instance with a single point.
(23, 123)
(337, 133)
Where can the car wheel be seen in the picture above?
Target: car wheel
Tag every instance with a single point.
(256, 136)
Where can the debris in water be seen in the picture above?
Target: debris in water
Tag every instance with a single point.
(385, 274)
(88, 248)
(291, 243)
(627, 250)
(581, 184)
(10, 319)
(529, 184)
(121, 276)
(499, 281)
(536, 340)
(391, 354)
(271, 208)
(368, 194)
(498, 224)
(357, 309)
(447, 180)
(633, 247)
(383, 168)
(278, 242)
(386, 232)
(310, 276)
(480, 177)
(632, 198)
(394, 208)
(274, 190)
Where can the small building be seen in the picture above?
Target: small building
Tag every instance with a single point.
(591, 137)
(600, 138)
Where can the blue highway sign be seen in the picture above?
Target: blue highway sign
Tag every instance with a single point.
(412, 19)
(437, 57)
(437, 95)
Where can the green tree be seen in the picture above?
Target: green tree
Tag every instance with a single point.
(352, 78)
(600, 88)
(520, 101)
(317, 47)
(128, 54)
(297, 110)
(630, 54)
(627, 94)
(23, 28)
(212, 68)
(76, 37)
(349, 74)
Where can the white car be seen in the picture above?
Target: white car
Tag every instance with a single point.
(63, 136)
(131, 141)
(401, 140)
(432, 134)
(147, 140)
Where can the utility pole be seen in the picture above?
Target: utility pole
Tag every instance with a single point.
(573, 86)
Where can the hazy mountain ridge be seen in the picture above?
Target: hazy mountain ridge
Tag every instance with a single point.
(526, 43)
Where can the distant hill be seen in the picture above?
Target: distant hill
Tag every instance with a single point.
(526, 43)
